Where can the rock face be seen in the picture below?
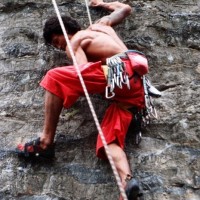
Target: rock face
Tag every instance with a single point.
(168, 160)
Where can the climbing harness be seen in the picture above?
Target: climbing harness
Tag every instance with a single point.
(117, 77)
(122, 191)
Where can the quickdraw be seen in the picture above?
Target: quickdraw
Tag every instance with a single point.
(149, 91)
(117, 75)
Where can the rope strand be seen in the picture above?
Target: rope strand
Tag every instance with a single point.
(90, 103)
(88, 12)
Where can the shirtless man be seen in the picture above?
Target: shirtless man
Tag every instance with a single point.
(99, 41)
(91, 48)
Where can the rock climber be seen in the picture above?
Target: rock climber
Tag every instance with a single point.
(109, 68)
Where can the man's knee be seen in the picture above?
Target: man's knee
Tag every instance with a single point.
(116, 151)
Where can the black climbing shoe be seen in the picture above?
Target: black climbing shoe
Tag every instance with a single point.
(133, 190)
(32, 149)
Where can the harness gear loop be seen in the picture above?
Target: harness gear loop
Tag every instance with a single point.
(90, 103)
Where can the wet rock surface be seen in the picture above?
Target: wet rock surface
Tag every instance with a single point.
(168, 160)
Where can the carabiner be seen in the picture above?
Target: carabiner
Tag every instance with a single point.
(108, 92)
(127, 82)
(154, 113)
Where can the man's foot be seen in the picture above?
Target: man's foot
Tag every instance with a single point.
(133, 190)
(33, 149)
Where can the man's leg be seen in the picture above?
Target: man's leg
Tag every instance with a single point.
(121, 162)
(53, 108)
(130, 184)
(43, 146)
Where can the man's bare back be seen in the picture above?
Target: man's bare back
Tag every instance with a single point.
(98, 42)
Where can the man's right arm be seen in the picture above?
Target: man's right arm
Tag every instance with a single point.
(119, 12)
(76, 41)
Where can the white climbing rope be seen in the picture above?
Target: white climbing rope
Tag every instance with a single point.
(122, 191)
(88, 12)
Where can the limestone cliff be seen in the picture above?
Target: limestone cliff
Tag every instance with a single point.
(168, 160)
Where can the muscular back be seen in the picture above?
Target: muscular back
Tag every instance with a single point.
(98, 42)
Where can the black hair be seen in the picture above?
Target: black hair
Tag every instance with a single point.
(52, 26)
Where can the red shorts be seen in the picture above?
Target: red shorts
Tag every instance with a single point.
(64, 82)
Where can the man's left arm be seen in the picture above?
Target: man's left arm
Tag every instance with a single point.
(119, 11)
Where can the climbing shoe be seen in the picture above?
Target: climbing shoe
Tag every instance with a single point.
(32, 149)
(133, 190)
